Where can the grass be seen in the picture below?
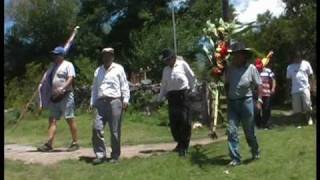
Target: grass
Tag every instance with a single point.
(136, 129)
(287, 153)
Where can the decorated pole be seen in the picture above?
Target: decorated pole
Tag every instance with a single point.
(225, 9)
(219, 56)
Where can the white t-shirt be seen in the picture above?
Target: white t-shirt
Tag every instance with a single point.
(299, 74)
(61, 74)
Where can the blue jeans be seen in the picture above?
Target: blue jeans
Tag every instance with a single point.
(241, 110)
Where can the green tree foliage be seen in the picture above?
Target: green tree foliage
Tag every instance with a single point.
(157, 34)
(19, 90)
(293, 32)
(39, 27)
(139, 36)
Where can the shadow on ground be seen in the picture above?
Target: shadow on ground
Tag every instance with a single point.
(283, 119)
(154, 151)
(52, 151)
(199, 156)
(87, 159)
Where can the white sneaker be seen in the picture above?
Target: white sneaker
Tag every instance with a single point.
(310, 122)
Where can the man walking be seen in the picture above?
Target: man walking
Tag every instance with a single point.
(177, 80)
(59, 78)
(300, 73)
(241, 78)
(110, 96)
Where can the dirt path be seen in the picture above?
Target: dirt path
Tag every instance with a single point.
(28, 154)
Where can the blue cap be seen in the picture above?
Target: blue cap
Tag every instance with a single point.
(58, 50)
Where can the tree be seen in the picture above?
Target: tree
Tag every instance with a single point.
(39, 27)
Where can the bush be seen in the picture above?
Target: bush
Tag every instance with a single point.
(19, 90)
(85, 68)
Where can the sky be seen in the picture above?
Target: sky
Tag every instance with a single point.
(248, 10)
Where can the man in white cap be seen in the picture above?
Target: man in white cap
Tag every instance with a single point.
(110, 96)
(177, 80)
(59, 79)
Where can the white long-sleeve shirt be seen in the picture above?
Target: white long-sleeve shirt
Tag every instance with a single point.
(110, 83)
(177, 78)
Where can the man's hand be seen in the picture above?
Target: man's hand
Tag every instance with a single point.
(125, 106)
(59, 90)
(272, 91)
(258, 105)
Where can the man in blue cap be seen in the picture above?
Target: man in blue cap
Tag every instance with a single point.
(177, 80)
(59, 78)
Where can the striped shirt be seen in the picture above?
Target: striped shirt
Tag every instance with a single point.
(266, 76)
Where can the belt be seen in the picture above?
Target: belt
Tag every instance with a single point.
(108, 98)
(176, 92)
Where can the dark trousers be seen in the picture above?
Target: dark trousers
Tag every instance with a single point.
(180, 123)
(262, 117)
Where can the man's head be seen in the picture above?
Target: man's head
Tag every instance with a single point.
(168, 57)
(298, 56)
(240, 54)
(107, 56)
(58, 54)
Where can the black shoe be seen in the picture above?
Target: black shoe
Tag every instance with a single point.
(73, 147)
(45, 148)
(97, 161)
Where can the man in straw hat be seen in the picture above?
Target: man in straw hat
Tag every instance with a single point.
(240, 79)
(110, 96)
(177, 80)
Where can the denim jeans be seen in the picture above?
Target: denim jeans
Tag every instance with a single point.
(241, 110)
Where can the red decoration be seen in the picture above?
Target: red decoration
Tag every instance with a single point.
(220, 54)
(259, 64)
(215, 71)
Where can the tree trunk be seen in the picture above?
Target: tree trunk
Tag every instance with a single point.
(225, 5)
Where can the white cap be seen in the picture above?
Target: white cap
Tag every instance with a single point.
(109, 50)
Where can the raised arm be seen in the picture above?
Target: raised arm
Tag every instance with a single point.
(70, 40)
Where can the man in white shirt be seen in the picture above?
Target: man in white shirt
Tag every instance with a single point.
(110, 96)
(58, 81)
(299, 73)
(177, 80)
